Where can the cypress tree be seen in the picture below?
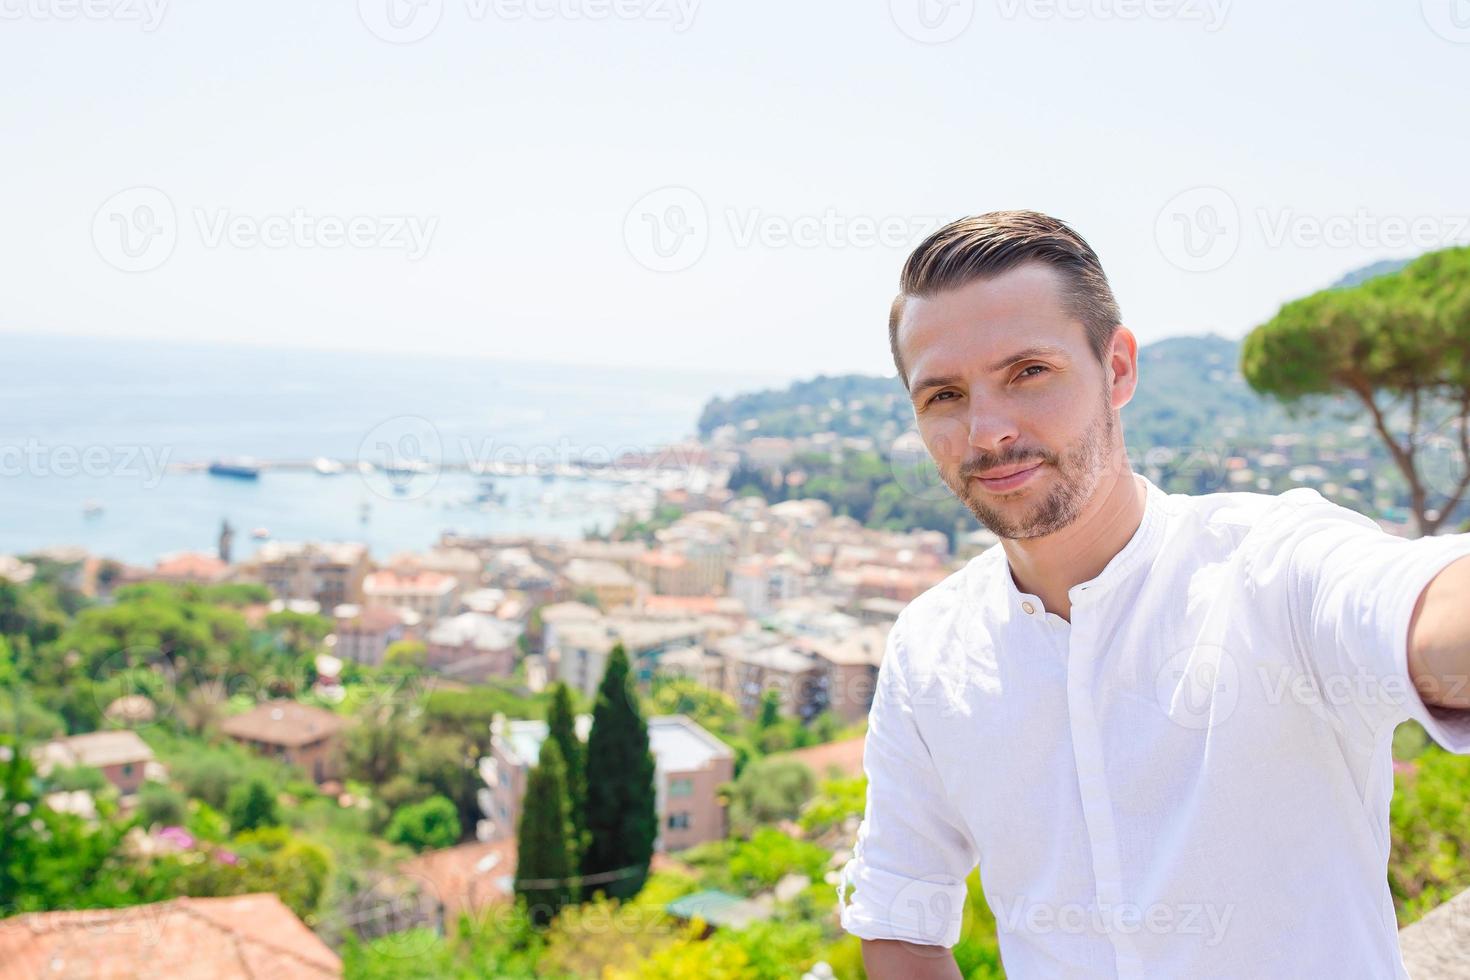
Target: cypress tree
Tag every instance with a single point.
(545, 862)
(622, 816)
(562, 728)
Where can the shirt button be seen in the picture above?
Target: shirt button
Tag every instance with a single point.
(1028, 607)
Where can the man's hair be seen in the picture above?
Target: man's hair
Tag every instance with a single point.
(987, 245)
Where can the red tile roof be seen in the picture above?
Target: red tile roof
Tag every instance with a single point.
(846, 756)
(246, 936)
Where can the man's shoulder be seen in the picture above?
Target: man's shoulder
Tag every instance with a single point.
(952, 606)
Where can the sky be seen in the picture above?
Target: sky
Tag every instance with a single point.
(698, 184)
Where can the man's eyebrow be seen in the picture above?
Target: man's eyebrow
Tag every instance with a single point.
(1037, 350)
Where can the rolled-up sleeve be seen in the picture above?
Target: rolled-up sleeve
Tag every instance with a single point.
(1352, 589)
(912, 852)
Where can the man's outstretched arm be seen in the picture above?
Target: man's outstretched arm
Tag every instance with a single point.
(894, 959)
(1439, 638)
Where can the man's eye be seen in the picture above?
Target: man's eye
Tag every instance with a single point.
(940, 395)
(1038, 367)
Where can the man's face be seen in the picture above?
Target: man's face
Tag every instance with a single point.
(1018, 387)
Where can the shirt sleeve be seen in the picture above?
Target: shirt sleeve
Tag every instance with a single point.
(1351, 591)
(912, 852)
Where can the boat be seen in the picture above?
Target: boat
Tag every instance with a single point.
(260, 534)
(91, 508)
(240, 468)
(327, 467)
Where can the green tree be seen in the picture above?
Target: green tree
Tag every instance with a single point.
(545, 856)
(562, 729)
(769, 790)
(1400, 345)
(252, 805)
(424, 826)
(622, 816)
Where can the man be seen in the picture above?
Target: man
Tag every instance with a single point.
(1160, 724)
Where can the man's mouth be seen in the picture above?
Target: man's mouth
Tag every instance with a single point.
(1008, 477)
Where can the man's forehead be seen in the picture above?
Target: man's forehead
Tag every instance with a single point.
(988, 318)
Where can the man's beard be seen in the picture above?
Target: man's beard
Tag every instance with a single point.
(1078, 471)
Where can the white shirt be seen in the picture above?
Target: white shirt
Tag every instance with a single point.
(1189, 779)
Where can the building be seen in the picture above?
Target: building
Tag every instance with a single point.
(466, 878)
(757, 662)
(242, 937)
(364, 635)
(429, 595)
(295, 733)
(764, 582)
(121, 756)
(515, 747)
(611, 584)
(690, 764)
(327, 573)
(473, 646)
(462, 564)
(579, 657)
(850, 670)
(190, 567)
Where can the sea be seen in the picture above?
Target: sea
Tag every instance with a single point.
(103, 444)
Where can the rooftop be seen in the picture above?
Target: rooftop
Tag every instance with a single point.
(97, 749)
(245, 936)
(283, 723)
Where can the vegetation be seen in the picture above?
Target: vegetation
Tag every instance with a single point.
(622, 819)
(1396, 341)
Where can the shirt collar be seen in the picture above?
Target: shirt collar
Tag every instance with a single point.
(1140, 550)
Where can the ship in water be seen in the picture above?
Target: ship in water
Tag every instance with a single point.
(240, 468)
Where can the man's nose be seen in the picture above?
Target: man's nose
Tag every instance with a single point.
(991, 431)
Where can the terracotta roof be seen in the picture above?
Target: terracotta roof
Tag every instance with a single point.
(283, 723)
(98, 749)
(216, 938)
(466, 878)
(191, 565)
(846, 755)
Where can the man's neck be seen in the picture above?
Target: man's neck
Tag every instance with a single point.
(1049, 566)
